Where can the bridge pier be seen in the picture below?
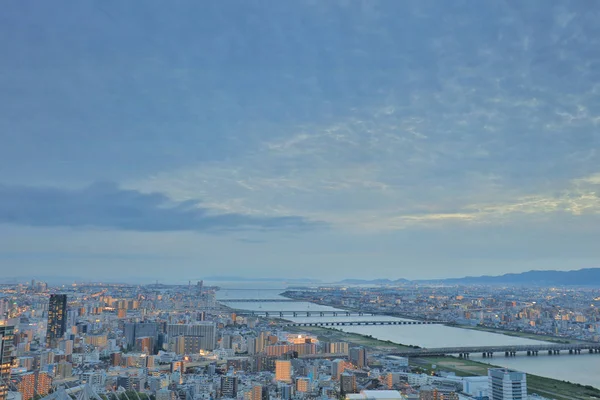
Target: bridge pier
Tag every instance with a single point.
(506, 354)
(528, 352)
(535, 352)
(556, 351)
(549, 352)
(570, 351)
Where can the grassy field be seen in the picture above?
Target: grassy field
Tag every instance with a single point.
(547, 338)
(552, 388)
(354, 339)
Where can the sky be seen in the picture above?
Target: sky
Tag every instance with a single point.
(169, 141)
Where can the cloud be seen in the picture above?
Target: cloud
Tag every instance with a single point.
(105, 205)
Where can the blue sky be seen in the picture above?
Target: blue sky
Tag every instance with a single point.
(418, 139)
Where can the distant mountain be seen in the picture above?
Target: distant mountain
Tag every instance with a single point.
(581, 277)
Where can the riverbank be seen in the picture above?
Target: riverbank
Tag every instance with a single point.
(525, 335)
(546, 387)
(353, 339)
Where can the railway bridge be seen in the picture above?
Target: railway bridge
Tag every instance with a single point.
(354, 323)
(282, 314)
(260, 301)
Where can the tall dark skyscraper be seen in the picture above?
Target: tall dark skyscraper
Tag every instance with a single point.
(57, 319)
(6, 349)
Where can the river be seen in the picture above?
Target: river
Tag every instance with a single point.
(581, 368)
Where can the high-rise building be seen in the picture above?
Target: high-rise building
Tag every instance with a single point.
(358, 356)
(227, 341)
(251, 345)
(302, 385)
(337, 368)
(283, 370)
(6, 357)
(57, 319)
(256, 393)
(229, 386)
(186, 345)
(506, 384)
(205, 332)
(261, 341)
(285, 391)
(30, 384)
(135, 330)
(347, 383)
(335, 348)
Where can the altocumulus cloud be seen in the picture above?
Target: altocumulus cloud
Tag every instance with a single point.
(105, 205)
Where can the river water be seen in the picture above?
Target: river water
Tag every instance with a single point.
(581, 368)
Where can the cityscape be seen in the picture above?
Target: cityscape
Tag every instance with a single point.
(300, 200)
(197, 341)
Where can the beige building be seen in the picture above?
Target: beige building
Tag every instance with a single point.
(283, 371)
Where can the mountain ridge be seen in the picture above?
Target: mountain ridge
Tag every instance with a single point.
(582, 277)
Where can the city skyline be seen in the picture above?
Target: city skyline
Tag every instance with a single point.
(400, 139)
(357, 342)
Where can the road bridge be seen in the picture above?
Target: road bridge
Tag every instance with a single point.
(282, 314)
(259, 301)
(351, 323)
(508, 351)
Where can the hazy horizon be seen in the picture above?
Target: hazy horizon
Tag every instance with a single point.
(414, 139)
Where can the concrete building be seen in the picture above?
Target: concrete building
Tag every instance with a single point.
(506, 384)
(6, 349)
(229, 386)
(205, 332)
(135, 330)
(302, 385)
(283, 370)
(358, 356)
(347, 383)
(337, 368)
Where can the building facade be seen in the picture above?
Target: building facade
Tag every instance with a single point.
(283, 371)
(57, 319)
(6, 358)
(506, 384)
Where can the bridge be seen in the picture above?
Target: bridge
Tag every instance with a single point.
(350, 323)
(259, 301)
(282, 314)
(509, 351)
